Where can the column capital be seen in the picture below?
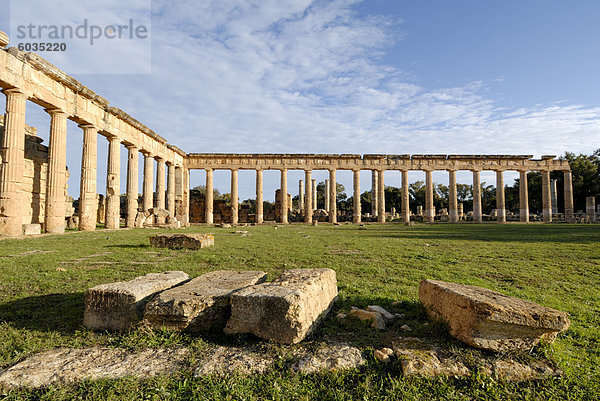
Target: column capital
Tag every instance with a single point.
(169, 163)
(476, 170)
(159, 159)
(53, 112)
(113, 138)
(88, 126)
(131, 146)
(209, 170)
(234, 169)
(146, 153)
(451, 170)
(13, 92)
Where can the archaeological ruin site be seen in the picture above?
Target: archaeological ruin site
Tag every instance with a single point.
(34, 199)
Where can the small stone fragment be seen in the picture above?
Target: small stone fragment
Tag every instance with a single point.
(406, 327)
(341, 316)
(383, 355)
(488, 319)
(375, 318)
(118, 306)
(285, 310)
(202, 303)
(182, 241)
(387, 316)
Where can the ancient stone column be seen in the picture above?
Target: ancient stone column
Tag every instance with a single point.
(234, 196)
(374, 193)
(500, 208)
(590, 208)
(185, 204)
(160, 184)
(380, 197)
(314, 194)
(523, 198)
(259, 197)
(326, 198)
(88, 204)
(132, 185)
(113, 183)
(546, 197)
(308, 201)
(568, 190)
(12, 156)
(171, 188)
(57, 173)
(356, 214)
(429, 211)
(148, 191)
(300, 194)
(332, 197)
(405, 198)
(179, 193)
(284, 197)
(452, 201)
(553, 197)
(208, 197)
(477, 215)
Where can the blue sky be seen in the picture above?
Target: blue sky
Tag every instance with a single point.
(351, 76)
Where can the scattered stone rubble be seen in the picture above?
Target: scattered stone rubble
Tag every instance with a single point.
(285, 310)
(182, 241)
(488, 319)
(202, 303)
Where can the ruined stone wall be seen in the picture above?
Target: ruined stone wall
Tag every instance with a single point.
(34, 177)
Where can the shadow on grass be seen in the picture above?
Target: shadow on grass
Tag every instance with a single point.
(129, 246)
(61, 313)
(492, 232)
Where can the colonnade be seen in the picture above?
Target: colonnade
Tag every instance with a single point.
(307, 196)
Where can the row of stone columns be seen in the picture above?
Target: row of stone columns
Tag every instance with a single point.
(308, 194)
(13, 163)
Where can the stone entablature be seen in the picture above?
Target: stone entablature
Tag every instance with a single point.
(268, 161)
(51, 88)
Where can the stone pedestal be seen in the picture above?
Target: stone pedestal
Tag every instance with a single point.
(57, 173)
(356, 213)
(113, 187)
(13, 164)
(88, 204)
(132, 185)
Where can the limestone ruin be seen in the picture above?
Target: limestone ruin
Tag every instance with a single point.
(28, 77)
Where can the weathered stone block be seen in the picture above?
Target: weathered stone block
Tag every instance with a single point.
(182, 241)
(32, 229)
(488, 319)
(200, 304)
(285, 310)
(118, 306)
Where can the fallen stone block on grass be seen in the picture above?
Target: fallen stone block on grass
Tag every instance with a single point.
(118, 306)
(182, 241)
(66, 365)
(285, 310)
(226, 361)
(488, 319)
(202, 303)
(328, 358)
(32, 229)
(418, 358)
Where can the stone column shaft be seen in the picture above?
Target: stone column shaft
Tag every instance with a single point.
(113, 183)
(380, 197)
(405, 198)
(301, 194)
(186, 197)
(148, 194)
(12, 156)
(332, 197)
(88, 204)
(284, 197)
(429, 211)
(357, 214)
(171, 189)
(553, 197)
(500, 204)
(452, 201)
(314, 194)
(308, 201)
(234, 196)
(326, 197)
(132, 185)
(374, 193)
(57, 173)
(477, 215)
(259, 197)
(568, 192)
(179, 193)
(546, 197)
(160, 183)
(208, 198)
(523, 198)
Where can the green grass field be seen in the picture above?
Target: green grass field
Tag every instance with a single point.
(42, 282)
